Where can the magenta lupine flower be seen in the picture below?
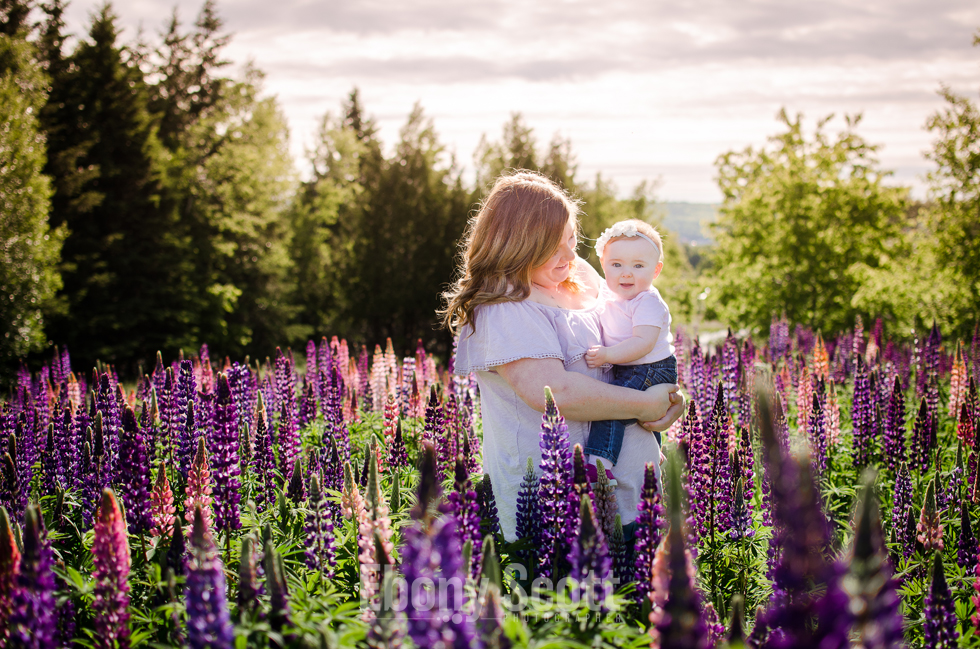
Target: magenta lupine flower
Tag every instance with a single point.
(263, 460)
(717, 434)
(966, 542)
(312, 371)
(52, 474)
(878, 619)
(450, 444)
(111, 562)
(466, 510)
(319, 532)
(589, 558)
(940, 611)
(225, 465)
(649, 530)
(208, 621)
(307, 407)
(434, 429)
(199, 486)
(33, 620)
(9, 568)
(553, 490)
(528, 517)
(134, 475)
(930, 526)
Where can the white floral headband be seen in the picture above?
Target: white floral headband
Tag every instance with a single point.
(622, 229)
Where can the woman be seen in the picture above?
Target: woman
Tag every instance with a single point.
(525, 308)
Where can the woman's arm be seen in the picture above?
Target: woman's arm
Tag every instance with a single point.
(581, 398)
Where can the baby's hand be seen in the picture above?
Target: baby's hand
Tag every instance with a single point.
(596, 356)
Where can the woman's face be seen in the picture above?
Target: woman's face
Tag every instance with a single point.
(555, 271)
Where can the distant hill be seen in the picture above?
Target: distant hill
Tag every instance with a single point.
(690, 221)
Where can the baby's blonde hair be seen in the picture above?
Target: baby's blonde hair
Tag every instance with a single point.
(646, 229)
(518, 228)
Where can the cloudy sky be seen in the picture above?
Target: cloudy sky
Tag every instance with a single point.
(644, 89)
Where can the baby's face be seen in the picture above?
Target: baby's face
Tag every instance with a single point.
(630, 265)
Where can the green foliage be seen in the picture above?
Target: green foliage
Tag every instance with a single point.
(802, 219)
(29, 248)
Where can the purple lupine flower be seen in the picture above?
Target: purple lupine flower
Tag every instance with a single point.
(449, 445)
(730, 369)
(679, 622)
(319, 532)
(817, 434)
(208, 620)
(134, 475)
(295, 488)
(741, 516)
(397, 453)
(808, 603)
(111, 563)
(553, 490)
(921, 438)
(696, 374)
(619, 554)
(434, 429)
(9, 567)
(895, 428)
(528, 517)
(307, 407)
(589, 558)
(63, 438)
(940, 611)
(489, 520)
(861, 416)
(719, 482)
(649, 530)
(436, 618)
(901, 510)
(966, 543)
(225, 465)
(33, 620)
(312, 374)
(465, 508)
(106, 404)
(578, 486)
(878, 619)
(287, 438)
(52, 474)
(263, 460)
(180, 426)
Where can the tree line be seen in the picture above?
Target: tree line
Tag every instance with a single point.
(148, 202)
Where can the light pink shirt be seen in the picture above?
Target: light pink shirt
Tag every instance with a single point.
(618, 317)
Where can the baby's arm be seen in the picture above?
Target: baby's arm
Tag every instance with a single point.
(642, 342)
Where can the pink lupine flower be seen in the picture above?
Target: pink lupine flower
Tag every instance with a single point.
(162, 506)
(199, 488)
(111, 561)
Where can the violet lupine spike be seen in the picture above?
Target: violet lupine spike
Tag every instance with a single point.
(397, 453)
(63, 433)
(263, 460)
(295, 489)
(921, 438)
(966, 543)
(208, 621)
(874, 591)
(528, 517)
(696, 375)
(730, 369)
(817, 430)
(679, 621)
(649, 530)
(449, 445)
(436, 554)
(718, 432)
(895, 428)
(578, 487)
(312, 373)
(111, 564)
(604, 494)
(287, 438)
(939, 630)
(307, 407)
(319, 532)
(33, 620)
(466, 510)
(808, 603)
(52, 474)
(903, 505)
(179, 430)
(618, 552)
(434, 429)
(553, 490)
(591, 565)
(861, 417)
(487, 502)
(134, 475)
(741, 516)
(225, 464)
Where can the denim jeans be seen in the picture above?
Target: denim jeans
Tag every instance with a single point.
(606, 437)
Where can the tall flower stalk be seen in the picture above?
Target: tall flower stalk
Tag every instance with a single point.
(208, 621)
(111, 563)
(553, 489)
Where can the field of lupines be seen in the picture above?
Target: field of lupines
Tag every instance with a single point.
(818, 494)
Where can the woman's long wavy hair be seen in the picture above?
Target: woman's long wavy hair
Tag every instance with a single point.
(518, 227)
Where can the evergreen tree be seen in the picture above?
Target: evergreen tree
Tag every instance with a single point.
(126, 283)
(28, 247)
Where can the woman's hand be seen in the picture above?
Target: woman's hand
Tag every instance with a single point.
(673, 412)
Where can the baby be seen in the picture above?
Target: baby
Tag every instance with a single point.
(635, 323)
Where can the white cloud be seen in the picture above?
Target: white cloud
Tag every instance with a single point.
(643, 89)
